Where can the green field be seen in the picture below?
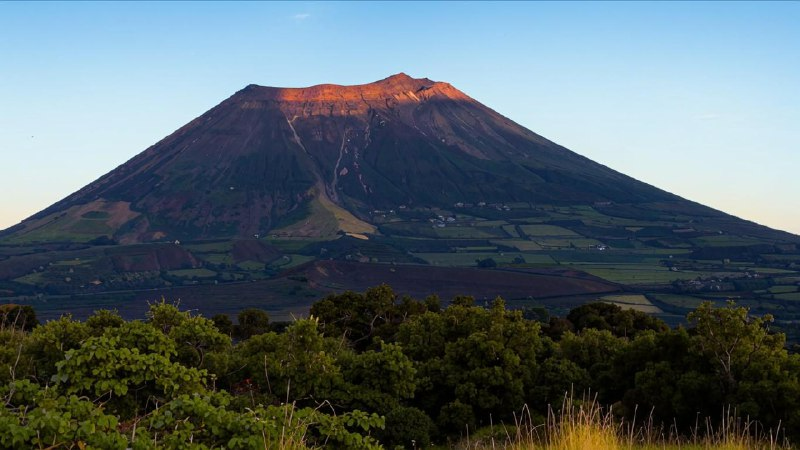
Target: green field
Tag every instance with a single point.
(511, 230)
(461, 232)
(788, 280)
(193, 273)
(547, 230)
(532, 220)
(726, 240)
(252, 266)
(289, 261)
(680, 301)
(772, 270)
(48, 233)
(71, 262)
(210, 247)
(637, 274)
(91, 226)
(231, 276)
(779, 257)
(524, 246)
(491, 223)
(576, 242)
(31, 278)
(476, 249)
(782, 289)
(292, 245)
(218, 258)
(468, 259)
(659, 251)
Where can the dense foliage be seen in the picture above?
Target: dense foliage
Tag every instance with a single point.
(368, 370)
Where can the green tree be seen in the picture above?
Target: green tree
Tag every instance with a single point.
(22, 317)
(126, 378)
(557, 377)
(377, 380)
(751, 366)
(299, 364)
(732, 340)
(48, 344)
(163, 316)
(595, 351)
(103, 319)
(195, 338)
(408, 427)
(223, 323)
(15, 363)
(607, 316)
(661, 372)
(433, 303)
(376, 313)
(472, 361)
(36, 417)
(252, 321)
(144, 337)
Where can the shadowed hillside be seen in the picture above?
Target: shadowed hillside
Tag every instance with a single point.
(267, 158)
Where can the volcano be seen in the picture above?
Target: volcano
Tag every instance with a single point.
(320, 160)
(278, 196)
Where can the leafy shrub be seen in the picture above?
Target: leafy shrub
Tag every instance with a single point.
(408, 427)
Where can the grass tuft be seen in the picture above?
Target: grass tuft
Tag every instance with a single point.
(583, 424)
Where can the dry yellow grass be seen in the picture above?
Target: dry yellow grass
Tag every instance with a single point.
(634, 302)
(326, 219)
(581, 427)
(346, 221)
(584, 425)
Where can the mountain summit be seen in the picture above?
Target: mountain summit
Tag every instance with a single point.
(322, 160)
(400, 87)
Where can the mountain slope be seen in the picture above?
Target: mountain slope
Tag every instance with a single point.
(317, 160)
(247, 206)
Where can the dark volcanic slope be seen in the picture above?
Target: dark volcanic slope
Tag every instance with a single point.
(265, 156)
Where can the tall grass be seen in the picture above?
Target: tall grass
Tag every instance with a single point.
(584, 425)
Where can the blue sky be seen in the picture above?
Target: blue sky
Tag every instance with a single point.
(700, 99)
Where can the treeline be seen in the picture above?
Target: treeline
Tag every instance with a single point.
(371, 369)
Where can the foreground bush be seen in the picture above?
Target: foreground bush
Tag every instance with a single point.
(111, 384)
(373, 369)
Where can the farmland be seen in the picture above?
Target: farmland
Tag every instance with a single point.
(666, 264)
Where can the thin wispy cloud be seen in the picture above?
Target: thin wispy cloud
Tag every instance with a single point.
(301, 16)
(707, 116)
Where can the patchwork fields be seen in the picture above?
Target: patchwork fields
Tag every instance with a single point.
(661, 263)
